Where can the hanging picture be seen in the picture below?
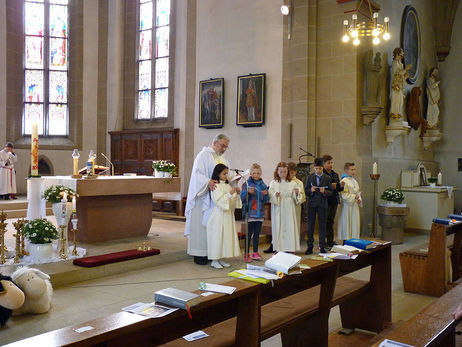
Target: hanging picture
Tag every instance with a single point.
(251, 100)
(211, 93)
(410, 42)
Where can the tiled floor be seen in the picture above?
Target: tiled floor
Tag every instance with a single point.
(83, 301)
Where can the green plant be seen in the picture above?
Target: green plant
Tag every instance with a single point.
(432, 180)
(40, 231)
(164, 166)
(55, 194)
(393, 194)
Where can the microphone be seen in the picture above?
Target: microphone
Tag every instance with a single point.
(311, 155)
(110, 162)
(237, 170)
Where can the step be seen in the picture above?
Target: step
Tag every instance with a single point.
(22, 213)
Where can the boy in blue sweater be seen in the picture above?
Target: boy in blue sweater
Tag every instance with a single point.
(254, 195)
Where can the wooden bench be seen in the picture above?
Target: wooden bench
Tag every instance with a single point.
(363, 304)
(424, 268)
(308, 326)
(434, 325)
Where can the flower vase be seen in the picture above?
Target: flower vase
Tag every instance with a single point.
(168, 175)
(57, 211)
(39, 252)
(432, 185)
(158, 174)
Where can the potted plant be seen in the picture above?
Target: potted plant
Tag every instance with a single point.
(41, 234)
(432, 181)
(163, 168)
(55, 195)
(393, 197)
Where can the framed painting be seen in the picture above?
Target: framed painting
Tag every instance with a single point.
(410, 42)
(211, 99)
(251, 100)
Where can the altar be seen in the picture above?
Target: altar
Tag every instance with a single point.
(110, 207)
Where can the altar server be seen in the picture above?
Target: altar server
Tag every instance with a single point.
(301, 197)
(283, 197)
(7, 172)
(222, 240)
(199, 204)
(349, 223)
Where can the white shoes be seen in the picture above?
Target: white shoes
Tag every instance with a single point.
(216, 264)
(225, 264)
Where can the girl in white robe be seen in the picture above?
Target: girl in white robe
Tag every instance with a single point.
(284, 223)
(301, 197)
(222, 240)
(349, 222)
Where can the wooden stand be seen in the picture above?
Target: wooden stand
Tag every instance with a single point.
(375, 178)
(393, 221)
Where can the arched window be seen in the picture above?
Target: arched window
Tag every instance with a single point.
(152, 93)
(46, 36)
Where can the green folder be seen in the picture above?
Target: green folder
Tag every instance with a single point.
(247, 278)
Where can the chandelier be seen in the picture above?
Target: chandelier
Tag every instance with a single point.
(370, 28)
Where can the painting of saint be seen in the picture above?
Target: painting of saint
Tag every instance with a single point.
(251, 97)
(211, 103)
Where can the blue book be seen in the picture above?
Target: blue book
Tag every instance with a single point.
(457, 217)
(359, 243)
(444, 221)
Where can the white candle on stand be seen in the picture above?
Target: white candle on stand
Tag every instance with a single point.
(374, 169)
(63, 208)
(34, 150)
(440, 179)
(74, 204)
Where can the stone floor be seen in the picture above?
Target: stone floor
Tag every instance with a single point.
(79, 302)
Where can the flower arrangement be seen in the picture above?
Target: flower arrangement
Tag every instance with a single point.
(55, 194)
(393, 195)
(432, 180)
(40, 231)
(163, 166)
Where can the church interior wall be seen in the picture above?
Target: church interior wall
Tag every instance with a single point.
(449, 150)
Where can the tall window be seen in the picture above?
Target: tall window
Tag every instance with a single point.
(152, 93)
(46, 32)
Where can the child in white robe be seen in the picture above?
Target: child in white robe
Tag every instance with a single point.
(349, 222)
(301, 197)
(284, 223)
(222, 240)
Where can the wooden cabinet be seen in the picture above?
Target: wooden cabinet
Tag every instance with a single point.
(134, 150)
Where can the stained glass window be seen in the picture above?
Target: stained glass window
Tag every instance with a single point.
(152, 91)
(46, 28)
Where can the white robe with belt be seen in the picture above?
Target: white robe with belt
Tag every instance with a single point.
(349, 222)
(222, 240)
(284, 223)
(199, 204)
(301, 198)
(7, 173)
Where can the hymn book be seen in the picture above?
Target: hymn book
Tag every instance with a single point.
(177, 298)
(345, 249)
(283, 262)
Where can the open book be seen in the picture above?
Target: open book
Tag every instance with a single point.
(283, 262)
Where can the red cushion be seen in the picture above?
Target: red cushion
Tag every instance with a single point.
(109, 258)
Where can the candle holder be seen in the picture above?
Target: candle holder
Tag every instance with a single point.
(62, 244)
(3, 224)
(23, 245)
(74, 221)
(375, 178)
(144, 247)
(76, 156)
(18, 225)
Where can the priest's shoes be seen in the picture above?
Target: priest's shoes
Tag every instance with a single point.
(200, 260)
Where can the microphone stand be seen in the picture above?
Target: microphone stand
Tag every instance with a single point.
(112, 165)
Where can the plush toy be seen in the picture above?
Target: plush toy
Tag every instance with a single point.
(37, 289)
(11, 298)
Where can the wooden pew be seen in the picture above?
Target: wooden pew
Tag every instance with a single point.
(122, 329)
(423, 267)
(434, 325)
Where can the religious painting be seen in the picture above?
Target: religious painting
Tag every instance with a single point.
(211, 97)
(410, 42)
(251, 100)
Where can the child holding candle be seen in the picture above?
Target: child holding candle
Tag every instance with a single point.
(349, 222)
(283, 197)
(222, 240)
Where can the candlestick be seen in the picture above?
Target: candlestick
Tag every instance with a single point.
(2, 236)
(34, 150)
(74, 230)
(23, 246)
(374, 169)
(76, 156)
(74, 204)
(375, 178)
(18, 226)
(440, 178)
(62, 241)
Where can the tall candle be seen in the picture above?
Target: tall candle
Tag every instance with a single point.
(34, 150)
(63, 208)
(440, 179)
(374, 169)
(76, 166)
(74, 204)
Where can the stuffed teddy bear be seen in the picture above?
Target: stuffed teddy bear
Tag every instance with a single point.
(37, 289)
(11, 298)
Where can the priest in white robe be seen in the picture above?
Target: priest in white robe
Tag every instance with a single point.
(7, 173)
(199, 204)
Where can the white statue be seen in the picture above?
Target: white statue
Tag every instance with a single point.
(372, 67)
(399, 74)
(433, 95)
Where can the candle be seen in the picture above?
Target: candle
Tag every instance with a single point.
(374, 169)
(63, 208)
(440, 178)
(74, 204)
(76, 156)
(34, 150)
(64, 199)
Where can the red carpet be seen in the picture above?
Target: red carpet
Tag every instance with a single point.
(109, 258)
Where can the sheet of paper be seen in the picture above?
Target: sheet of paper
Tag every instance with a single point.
(195, 336)
(338, 256)
(83, 329)
(261, 268)
(262, 274)
(218, 288)
(246, 273)
(391, 343)
(151, 310)
(207, 293)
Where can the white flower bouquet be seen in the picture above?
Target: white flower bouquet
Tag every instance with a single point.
(393, 195)
(40, 231)
(55, 193)
(164, 166)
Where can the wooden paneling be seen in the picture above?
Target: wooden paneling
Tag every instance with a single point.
(133, 151)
